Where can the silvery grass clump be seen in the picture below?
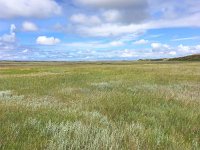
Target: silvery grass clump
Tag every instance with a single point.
(42, 102)
(88, 136)
(9, 96)
(5, 94)
(179, 91)
(102, 85)
(146, 87)
(185, 91)
(72, 90)
(45, 102)
(96, 117)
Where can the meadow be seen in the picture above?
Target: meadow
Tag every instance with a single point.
(100, 105)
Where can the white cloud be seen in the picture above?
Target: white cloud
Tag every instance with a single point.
(85, 20)
(111, 15)
(141, 42)
(131, 37)
(8, 41)
(160, 47)
(156, 45)
(117, 10)
(165, 49)
(30, 8)
(184, 49)
(29, 26)
(116, 43)
(25, 51)
(114, 29)
(43, 40)
(12, 28)
(172, 53)
(106, 30)
(155, 35)
(188, 49)
(112, 3)
(9, 38)
(173, 9)
(186, 38)
(185, 21)
(116, 22)
(128, 53)
(94, 44)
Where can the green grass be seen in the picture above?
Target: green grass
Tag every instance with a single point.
(112, 105)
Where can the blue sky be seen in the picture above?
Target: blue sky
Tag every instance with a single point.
(90, 30)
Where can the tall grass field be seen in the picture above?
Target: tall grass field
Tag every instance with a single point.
(100, 106)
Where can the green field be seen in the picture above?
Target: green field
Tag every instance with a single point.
(100, 106)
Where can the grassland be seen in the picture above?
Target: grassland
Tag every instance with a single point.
(89, 106)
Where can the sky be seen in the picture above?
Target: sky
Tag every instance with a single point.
(92, 30)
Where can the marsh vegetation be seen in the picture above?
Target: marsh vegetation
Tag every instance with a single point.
(121, 105)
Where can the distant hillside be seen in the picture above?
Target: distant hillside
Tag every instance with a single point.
(195, 57)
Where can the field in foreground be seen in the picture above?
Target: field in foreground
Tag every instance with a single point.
(114, 106)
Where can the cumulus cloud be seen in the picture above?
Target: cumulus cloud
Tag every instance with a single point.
(188, 49)
(118, 17)
(29, 26)
(164, 49)
(128, 53)
(9, 38)
(116, 43)
(43, 40)
(118, 10)
(111, 15)
(172, 53)
(115, 29)
(85, 20)
(112, 3)
(159, 47)
(141, 42)
(186, 21)
(30, 8)
(8, 41)
(106, 30)
(172, 9)
(94, 44)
